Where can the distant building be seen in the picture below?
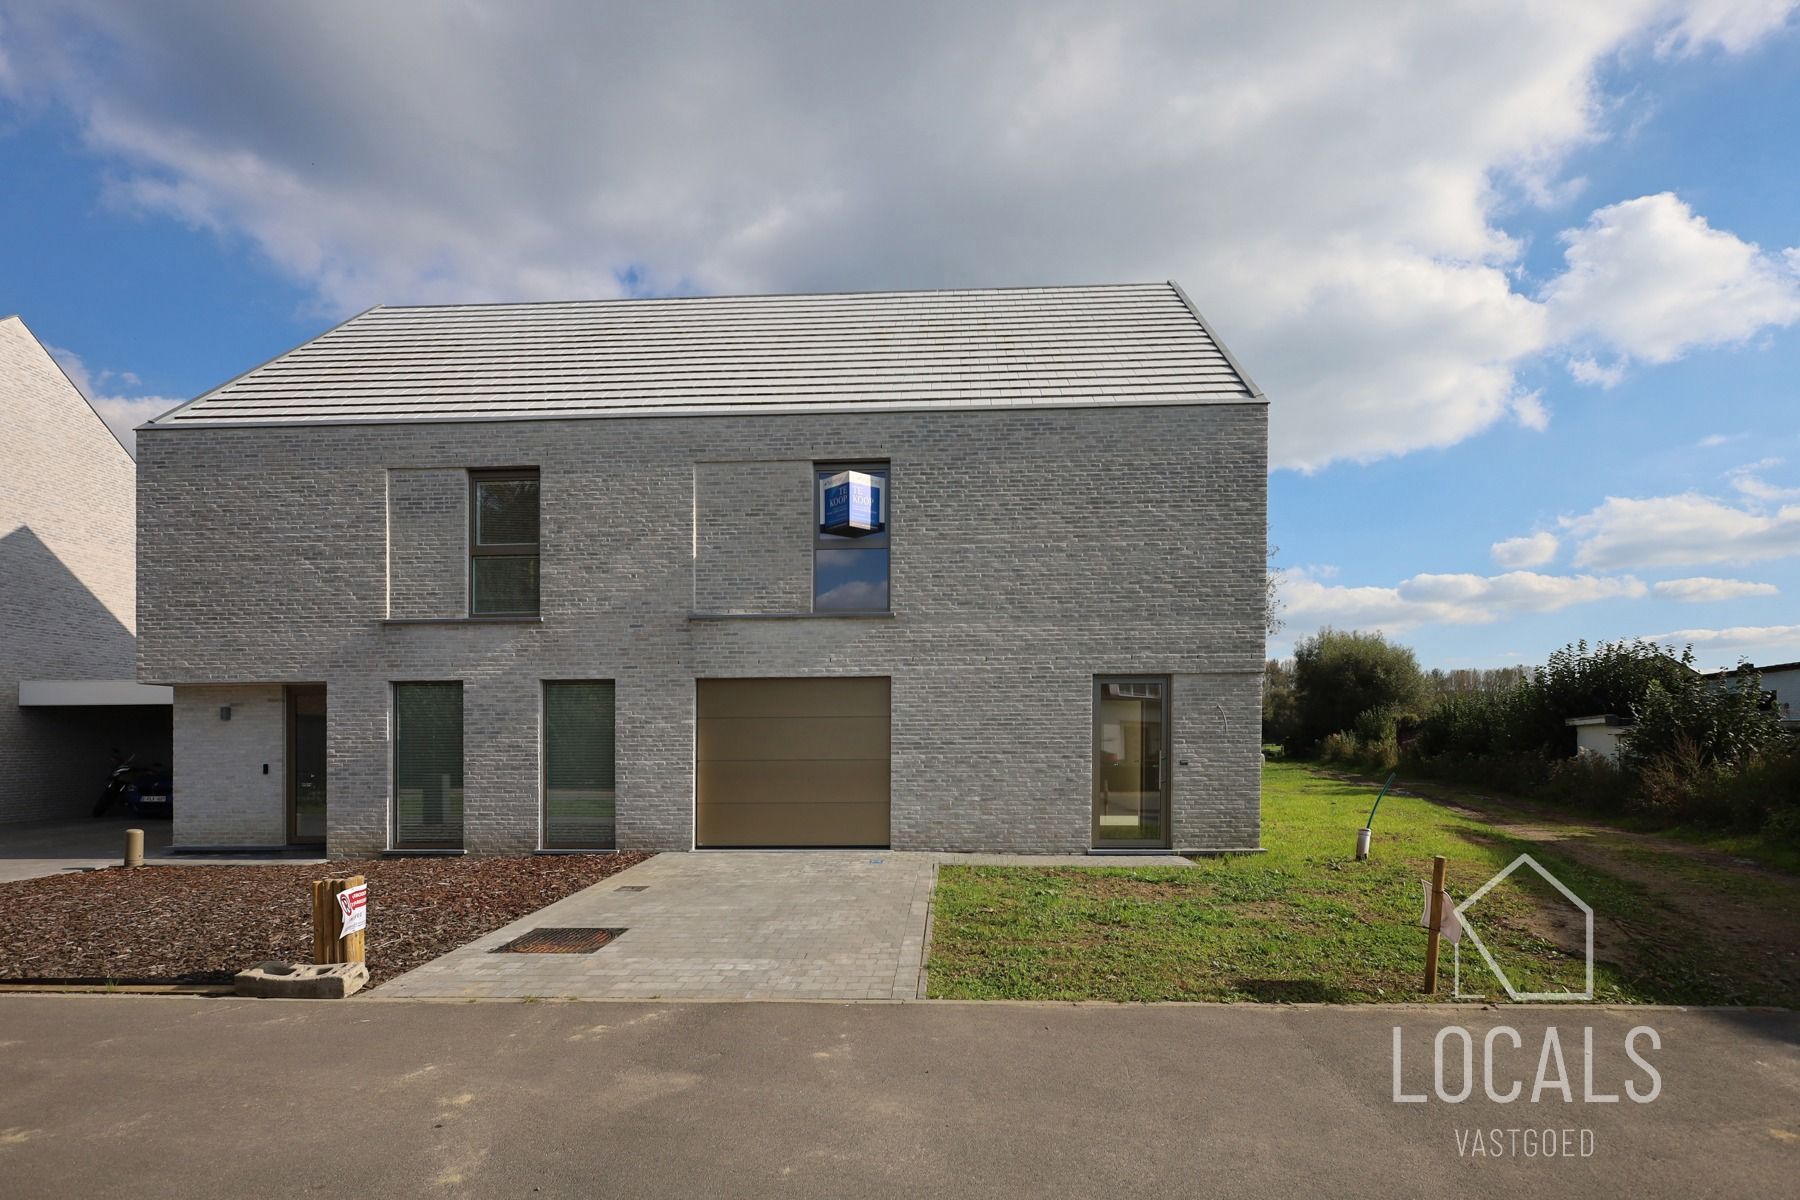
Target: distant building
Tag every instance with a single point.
(68, 602)
(1598, 735)
(1781, 681)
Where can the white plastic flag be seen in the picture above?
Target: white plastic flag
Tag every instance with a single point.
(1449, 924)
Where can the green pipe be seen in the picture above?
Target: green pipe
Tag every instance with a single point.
(1384, 788)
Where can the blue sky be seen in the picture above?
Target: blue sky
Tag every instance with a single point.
(1518, 284)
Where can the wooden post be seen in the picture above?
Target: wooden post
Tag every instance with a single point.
(1438, 865)
(329, 944)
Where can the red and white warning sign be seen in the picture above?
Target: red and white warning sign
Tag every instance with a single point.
(355, 904)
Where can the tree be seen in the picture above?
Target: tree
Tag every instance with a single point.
(1272, 594)
(1341, 675)
(1279, 715)
(1703, 722)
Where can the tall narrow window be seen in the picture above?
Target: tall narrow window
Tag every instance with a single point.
(578, 765)
(850, 537)
(503, 543)
(428, 766)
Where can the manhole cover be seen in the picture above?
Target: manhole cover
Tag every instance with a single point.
(559, 941)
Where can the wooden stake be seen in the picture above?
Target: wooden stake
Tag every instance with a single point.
(1438, 865)
(329, 943)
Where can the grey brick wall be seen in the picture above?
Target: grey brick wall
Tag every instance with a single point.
(1033, 549)
(752, 537)
(67, 603)
(223, 796)
(428, 542)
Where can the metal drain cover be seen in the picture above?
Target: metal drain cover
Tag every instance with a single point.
(632, 887)
(559, 941)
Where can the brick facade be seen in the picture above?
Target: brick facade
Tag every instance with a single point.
(1033, 548)
(67, 602)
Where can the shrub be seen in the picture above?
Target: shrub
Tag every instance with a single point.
(1588, 781)
(1340, 748)
(1338, 676)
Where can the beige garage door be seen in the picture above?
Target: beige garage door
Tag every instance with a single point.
(792, 762)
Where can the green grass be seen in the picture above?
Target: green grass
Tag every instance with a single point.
(1306, 922)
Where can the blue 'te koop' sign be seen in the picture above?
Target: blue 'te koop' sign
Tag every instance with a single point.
(852, 504)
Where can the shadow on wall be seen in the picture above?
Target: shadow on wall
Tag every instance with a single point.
(54, 761)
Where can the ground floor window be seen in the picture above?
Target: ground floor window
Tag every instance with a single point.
(428, 766)
(578, 765)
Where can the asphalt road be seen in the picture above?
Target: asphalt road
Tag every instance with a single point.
(199, 1098)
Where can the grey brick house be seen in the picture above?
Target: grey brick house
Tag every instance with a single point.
(67, 653)
(968, 570)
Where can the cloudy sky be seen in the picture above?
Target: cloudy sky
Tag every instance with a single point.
(1522, 281)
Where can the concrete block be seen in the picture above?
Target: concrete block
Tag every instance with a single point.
(302, 981)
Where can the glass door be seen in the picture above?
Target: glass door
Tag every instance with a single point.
(306, 765)
(1131, 755)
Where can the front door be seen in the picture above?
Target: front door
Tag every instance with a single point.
(1131, 757)
(306, 764)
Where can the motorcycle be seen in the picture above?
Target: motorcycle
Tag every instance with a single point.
(145, 791)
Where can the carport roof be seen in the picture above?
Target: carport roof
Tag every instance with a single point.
(1122, 344)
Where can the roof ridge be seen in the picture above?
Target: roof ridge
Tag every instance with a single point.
(609, 300)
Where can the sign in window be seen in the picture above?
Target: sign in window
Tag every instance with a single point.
(852, 518)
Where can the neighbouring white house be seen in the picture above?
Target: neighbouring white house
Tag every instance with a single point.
(1781, 681)
(1598, 735)
(69, 694)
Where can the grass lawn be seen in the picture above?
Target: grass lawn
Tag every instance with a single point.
(1306, 922)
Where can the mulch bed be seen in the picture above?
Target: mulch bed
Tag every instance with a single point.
(204, 924)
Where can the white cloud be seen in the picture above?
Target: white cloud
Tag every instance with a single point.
(1712, 440)
(1532, 550)
(122, 413)
(1327, 190)
(1679, 531)
(1704, 588)
(1719, 647)
(1652, 280)
(1748, 481)
(1589, 371)
(1735, 25)
(1449, 599)
(1529, 410)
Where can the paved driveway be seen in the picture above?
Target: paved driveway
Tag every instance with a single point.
(743, 925)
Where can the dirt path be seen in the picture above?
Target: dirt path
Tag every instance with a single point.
(1751, 911)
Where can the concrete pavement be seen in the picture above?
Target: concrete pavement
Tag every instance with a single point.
(33, 849)
(729, 925)
(196, 1098)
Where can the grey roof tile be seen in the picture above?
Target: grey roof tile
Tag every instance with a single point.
(1057, 346)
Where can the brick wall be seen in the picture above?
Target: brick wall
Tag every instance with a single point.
(753, 537)
(67, 602)
(223, 797)
(428, 542)
(1033, 549)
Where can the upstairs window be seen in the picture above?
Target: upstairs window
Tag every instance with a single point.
(503, 543)
(850, 537)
